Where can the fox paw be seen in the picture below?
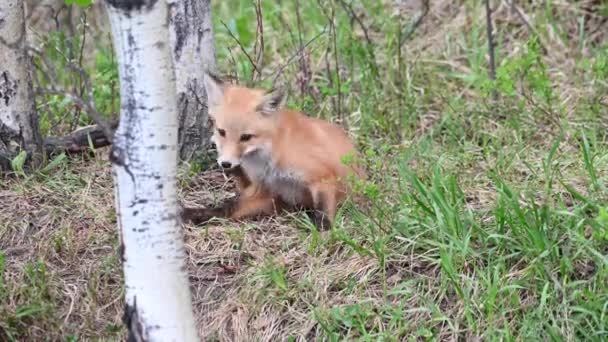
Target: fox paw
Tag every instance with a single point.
(320, 220)
(197, 215)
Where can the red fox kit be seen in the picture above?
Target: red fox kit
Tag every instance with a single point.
(281, 158)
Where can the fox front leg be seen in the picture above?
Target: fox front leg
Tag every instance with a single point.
(325, 201)
(203, 215)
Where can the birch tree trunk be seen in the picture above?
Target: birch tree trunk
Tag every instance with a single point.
(144, 156)
(18, 118)
(193, 51)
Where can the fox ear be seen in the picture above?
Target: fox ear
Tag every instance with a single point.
(272, 101)
(214, 87)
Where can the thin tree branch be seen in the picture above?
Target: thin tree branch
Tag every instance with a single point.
(491, 47)
(259, 47)
(80, 60)
(416, 23)
(89, 105)
(337, 63)
(236, 72)
(522, 16)
(253, 64)
(349, 8)
(292, 57)
(370, 44)
(331, 17)
(304, 88)
(79, 141)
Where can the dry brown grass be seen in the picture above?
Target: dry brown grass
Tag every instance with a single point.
(66, 222)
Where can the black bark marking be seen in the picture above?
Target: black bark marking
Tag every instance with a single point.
(8, 87)
(193, 132)
(125, 140)
(136, 212)
(134, 323)
(128, 6)
(190, 25)
(137, 201)
(121, 250)
(160, 45)
(181, 27)
(118, 157)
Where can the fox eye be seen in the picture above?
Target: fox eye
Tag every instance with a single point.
(221, 132)
(246, 137)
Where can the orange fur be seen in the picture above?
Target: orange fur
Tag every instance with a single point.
(282, 158)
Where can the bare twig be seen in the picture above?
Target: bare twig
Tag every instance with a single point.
(80, 80)
(78, 141)
(259, 43)
(303, 63)
(399, 81)
(351, 11)
(200, 102)
(112, 81)
(299, 22)
(90, 108)
(296, 54)
(53, 90)
(333, 45)
(71, 33)
(337, 63)
(55, 15)
(415, 23)
(551, 115)
(491, 47)
(524, 19)
(253, 64)
(286, 24)
(370, 44)
(236, 73)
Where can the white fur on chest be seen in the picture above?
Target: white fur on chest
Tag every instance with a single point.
(286, 184)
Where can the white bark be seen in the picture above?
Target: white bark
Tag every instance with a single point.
(144, 155)
(18, 120)
(193, 52)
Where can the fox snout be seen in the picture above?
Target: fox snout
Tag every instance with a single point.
(228, 163)
(228, 155)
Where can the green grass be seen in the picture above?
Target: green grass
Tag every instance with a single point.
(500, 201)
(480, 219)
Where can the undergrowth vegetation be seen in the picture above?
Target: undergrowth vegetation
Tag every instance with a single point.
(481, 218)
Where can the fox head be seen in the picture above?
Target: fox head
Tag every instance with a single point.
(244, 120)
